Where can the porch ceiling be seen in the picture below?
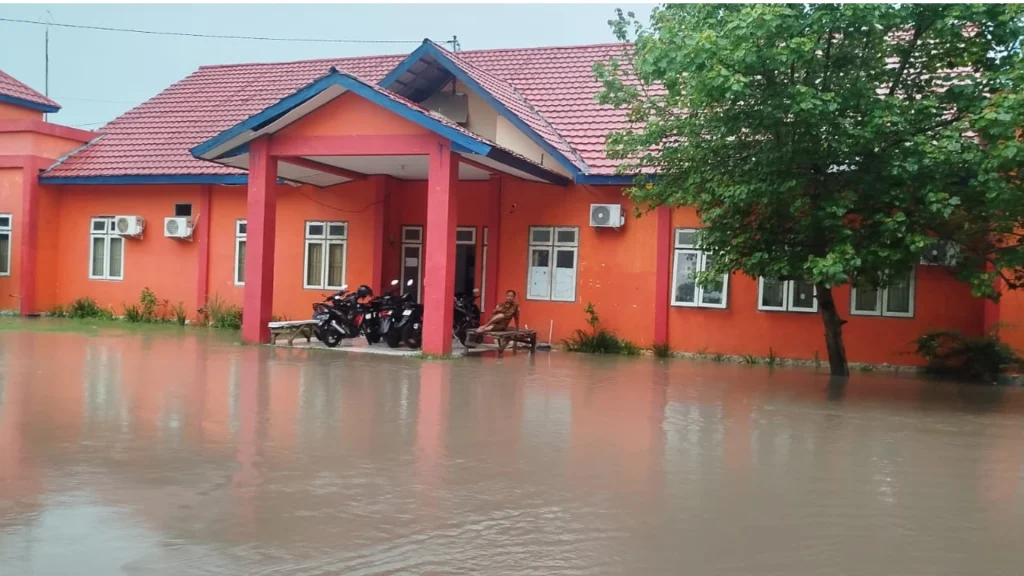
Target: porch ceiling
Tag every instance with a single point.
(401, 167)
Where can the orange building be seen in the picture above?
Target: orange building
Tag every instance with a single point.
(271, 185)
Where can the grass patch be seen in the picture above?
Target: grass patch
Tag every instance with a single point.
(425, 356)
(83, 308)
(749, 359)
(662, 350)
(718, 358)
(598, 340)
(220, 314)
(771, 360)
(179, 314)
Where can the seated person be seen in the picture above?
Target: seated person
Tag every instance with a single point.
(504, 313)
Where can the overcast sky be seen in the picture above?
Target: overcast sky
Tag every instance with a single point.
(98, 75)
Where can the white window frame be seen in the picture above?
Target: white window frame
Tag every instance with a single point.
(416, 243)
(8, 231)
(108, 233)
(240, 238)
(553, 247)
(326, 240)
(882, 301)
(702, 260)
(471, 242)
(789, 296)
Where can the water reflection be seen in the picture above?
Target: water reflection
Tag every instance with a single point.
(164, 454)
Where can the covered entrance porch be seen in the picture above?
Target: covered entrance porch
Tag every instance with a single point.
(340, 129)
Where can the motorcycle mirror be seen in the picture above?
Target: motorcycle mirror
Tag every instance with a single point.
(344, 287)
(476, 291)
(394, 282)
(409, 283)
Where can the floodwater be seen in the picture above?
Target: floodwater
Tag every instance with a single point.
(167, 454)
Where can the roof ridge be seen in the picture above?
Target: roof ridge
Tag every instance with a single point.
(309, 61)
(550, 47)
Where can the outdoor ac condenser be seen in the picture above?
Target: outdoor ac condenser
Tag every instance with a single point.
(129, 225)
(606, 216)
(178, 227)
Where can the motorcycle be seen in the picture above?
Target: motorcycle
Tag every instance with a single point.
(406, 321)
(337, 317)
(466, 315)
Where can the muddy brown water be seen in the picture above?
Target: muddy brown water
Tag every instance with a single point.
(164, 454)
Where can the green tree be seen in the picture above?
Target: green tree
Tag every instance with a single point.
(828, 143)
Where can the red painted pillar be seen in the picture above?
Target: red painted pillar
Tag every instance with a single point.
(261, 220)
(439, 272)
(202, 233)
(380, 193)
(493, 237)
(663, 271)
(30, 233)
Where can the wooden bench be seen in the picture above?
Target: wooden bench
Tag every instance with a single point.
(292, 330)
(503, 338)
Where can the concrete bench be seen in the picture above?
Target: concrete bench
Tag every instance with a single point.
(292, 330)
(503, 338)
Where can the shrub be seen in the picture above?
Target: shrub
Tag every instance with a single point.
(662, 350)
(179, 313)
(598, 340)
(88, 308)
(58, 311)
(134, 313)
(148, 303)
(223, 315)
(951, 353)
(771, 360)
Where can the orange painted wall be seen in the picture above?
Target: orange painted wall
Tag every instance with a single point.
(10, 203)
(940, 302)
(351, 114)
(1011, 319)
(36, 144)
(165, 265)
(615, 267)
(346, 203)
(12, 112)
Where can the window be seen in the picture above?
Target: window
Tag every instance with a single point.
(688, 261)
(552, 263)
(325, 255)
(240, 253)
(896, 299)
(106, 250)
(412, 254)
(941, 253)
(786, 296)
(5, 244)
(181, 210)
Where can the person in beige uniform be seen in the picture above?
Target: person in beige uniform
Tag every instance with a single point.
(504, 313)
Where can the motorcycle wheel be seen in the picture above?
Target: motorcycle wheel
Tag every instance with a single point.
(372, 337)
(411, 337)
(331, 338)
(392, 338)
(460, 333)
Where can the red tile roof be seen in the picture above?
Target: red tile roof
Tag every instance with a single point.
(155, 137)
(11, 87)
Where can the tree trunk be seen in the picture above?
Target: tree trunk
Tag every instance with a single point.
(833, 332)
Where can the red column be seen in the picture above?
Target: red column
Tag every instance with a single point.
(261, 220)
(30, 233)
(202, 233)
(380, 192)
(439, 272)
(663, 271)
(493, 237)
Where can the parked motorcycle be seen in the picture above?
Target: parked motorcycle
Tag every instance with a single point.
(407, 321)
(337, 317)
(466, 315)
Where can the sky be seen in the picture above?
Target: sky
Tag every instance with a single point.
(97, 75)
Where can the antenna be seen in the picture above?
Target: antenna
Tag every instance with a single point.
(46, 56)
(455, 43)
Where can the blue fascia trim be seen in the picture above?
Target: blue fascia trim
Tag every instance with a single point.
(226, 179)
(528, 167)
(274, 111)
(335, 78)
(429, 49)
(29, 104)
(600, 180)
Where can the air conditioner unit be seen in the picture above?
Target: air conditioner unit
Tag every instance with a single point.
(941, 253)
(178, 227)
(606, 216)
(129, 226)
